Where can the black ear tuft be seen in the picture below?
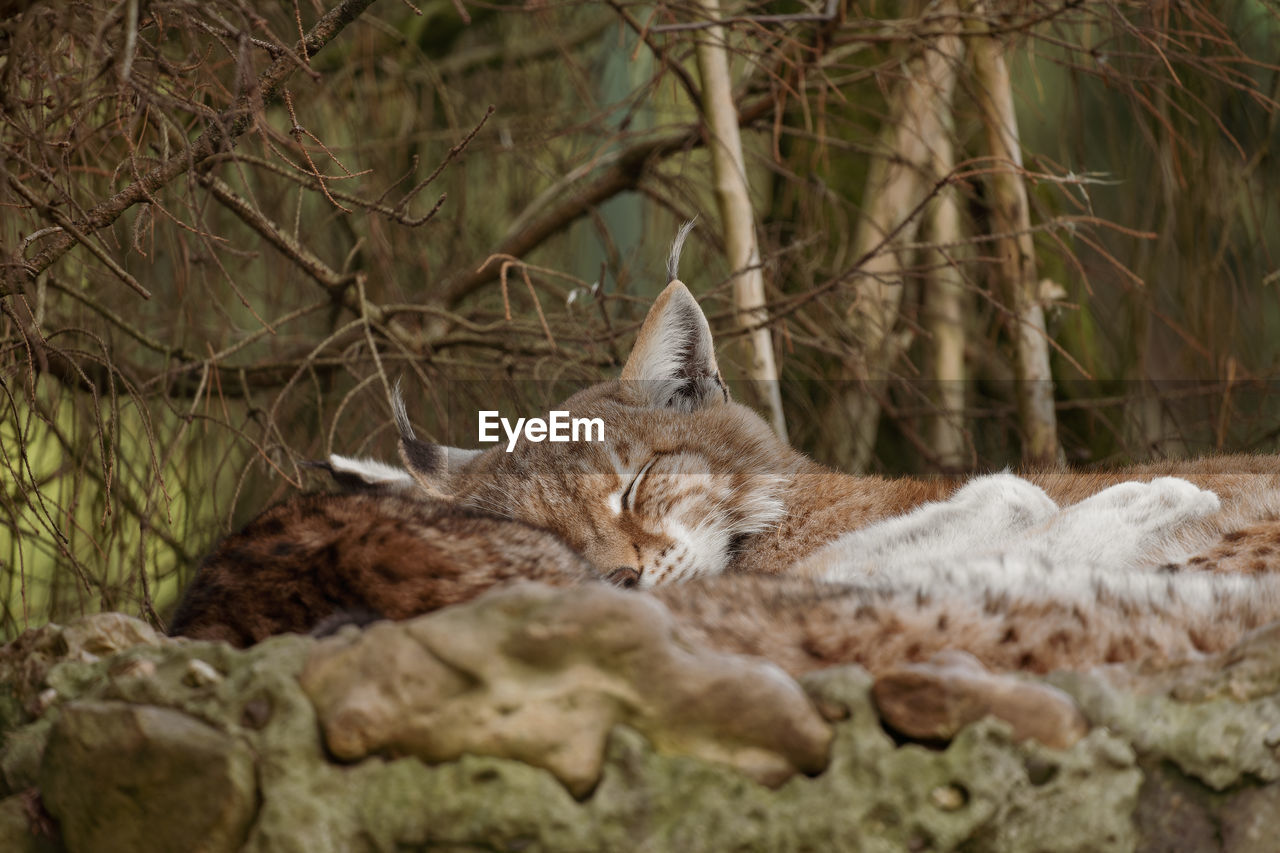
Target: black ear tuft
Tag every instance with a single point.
(401, 415)
(420, 457)
(677, 246)
(432, 466)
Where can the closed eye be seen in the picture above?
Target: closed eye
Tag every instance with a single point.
(629, 495)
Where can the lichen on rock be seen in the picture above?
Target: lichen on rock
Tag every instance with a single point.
(1216, 718)
(119, 738)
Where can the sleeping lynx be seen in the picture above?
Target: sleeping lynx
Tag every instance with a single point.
(689, 483)
(787, 559)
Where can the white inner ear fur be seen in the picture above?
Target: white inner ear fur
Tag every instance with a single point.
(674, 342)
(371, 471)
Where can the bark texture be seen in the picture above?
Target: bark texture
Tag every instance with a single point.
(898, 183)
(733, 197)
(1016, 271)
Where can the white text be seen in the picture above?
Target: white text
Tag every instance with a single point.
(557, 427)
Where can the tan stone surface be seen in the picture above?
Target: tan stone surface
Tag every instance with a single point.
(542, 675)
(935, 700)
(119, 776)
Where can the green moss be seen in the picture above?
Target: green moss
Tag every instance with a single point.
(238, 727)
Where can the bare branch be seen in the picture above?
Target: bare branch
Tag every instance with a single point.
(218, 136)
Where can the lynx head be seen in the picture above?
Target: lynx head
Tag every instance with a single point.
(682, 476)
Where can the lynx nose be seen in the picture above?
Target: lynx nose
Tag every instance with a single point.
(624, 576)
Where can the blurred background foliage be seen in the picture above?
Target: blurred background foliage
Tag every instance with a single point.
(218, 252)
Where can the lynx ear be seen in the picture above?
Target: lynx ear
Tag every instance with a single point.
(431, 466)
(674, 356)
(365, 475)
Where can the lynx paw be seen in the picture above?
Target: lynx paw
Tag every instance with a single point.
(983, 514)
(1125, 526)
(1163, 502)
(932, 701)
(1003, 502)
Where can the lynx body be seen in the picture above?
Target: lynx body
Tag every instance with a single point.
(779, 556)
(360, 556)
(690, 484)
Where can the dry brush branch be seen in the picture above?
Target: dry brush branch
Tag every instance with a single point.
(221, 134)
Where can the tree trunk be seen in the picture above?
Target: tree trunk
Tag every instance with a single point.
(897, 182)
(944, 302)
(1016, 271)
(729, 172)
